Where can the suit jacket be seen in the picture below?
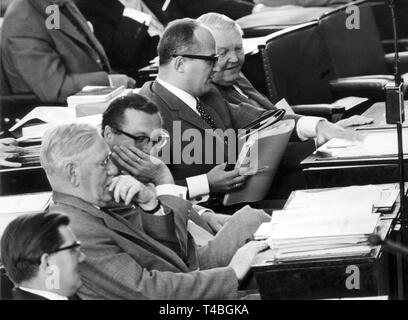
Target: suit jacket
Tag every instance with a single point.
(19, 294)
(179, 119)
(253, 96)
(135, 255)
(304, 3)
(193, 9)
(126, 41)
(51, 63)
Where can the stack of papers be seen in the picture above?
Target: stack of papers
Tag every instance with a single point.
(323, 224)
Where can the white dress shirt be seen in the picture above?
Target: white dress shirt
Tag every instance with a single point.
(198, 187)
(46, 294)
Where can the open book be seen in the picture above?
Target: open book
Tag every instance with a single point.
(260, 157)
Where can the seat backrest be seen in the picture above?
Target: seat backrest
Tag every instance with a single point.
(383, 19)
(6, 286)
(353, 51)
(298, 66)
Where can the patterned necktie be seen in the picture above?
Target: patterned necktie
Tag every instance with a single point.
(203, 113)
(207, 118)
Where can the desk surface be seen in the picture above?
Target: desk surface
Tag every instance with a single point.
(385, 226)
(325, 278)
(321, 172)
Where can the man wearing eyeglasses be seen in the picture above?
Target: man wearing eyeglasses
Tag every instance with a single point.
(137, 243)
(42, 256)
(184, 93)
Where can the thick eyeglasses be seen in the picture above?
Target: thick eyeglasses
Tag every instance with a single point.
(143, 140)
(75, 245)
(213, 58)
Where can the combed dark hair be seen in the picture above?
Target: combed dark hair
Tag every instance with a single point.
(178, 38)
(26, 239)
(113, 116)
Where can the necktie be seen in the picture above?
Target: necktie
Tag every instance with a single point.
(204, 115)
(207, 118)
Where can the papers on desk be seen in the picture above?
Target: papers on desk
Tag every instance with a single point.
(375, 143)
(13, 206)
(33, 126)
(324, 224)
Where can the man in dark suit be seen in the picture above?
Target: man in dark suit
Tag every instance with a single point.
(187, 65)
(41, 256)
(129, 43)
(52, 56)
(137, 244)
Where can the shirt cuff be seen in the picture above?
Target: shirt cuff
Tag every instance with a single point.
(306, 127)
(161, 212)
(171, 189)
(200, 209)
(198, 188)
(110, 81)
(258, 8)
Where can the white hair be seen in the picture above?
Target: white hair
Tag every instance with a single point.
(217, 21)
(65, 143)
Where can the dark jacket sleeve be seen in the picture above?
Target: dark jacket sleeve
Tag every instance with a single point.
(121, 37)
(232, 8)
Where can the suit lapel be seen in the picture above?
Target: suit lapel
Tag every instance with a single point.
(183, 111)
(178, 107)
(122, 226)
(71, 31)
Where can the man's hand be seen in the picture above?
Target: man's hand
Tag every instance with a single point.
(118, 80)
(128, 189)
(215, 220)
(142, 166)
(326, 130)
(221, 181)
(241, 261)
(9, 150)
(355, 120)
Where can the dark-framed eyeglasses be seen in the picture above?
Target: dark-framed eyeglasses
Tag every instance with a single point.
(143, 140)
(75, 245)
(212, 58)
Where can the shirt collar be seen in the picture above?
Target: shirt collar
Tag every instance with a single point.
(184, 96)
(46, 294)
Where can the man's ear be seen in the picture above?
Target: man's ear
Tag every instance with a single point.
(71, 171)
(45, 262)
(108, 134)
(179, 64)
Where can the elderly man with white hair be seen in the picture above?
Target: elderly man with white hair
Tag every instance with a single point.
(236, 88)
(138, 247)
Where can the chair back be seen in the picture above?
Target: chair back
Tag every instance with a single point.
(296, 66)
(353, 51)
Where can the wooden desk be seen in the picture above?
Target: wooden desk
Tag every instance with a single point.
(325, 173)
(326, 278)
